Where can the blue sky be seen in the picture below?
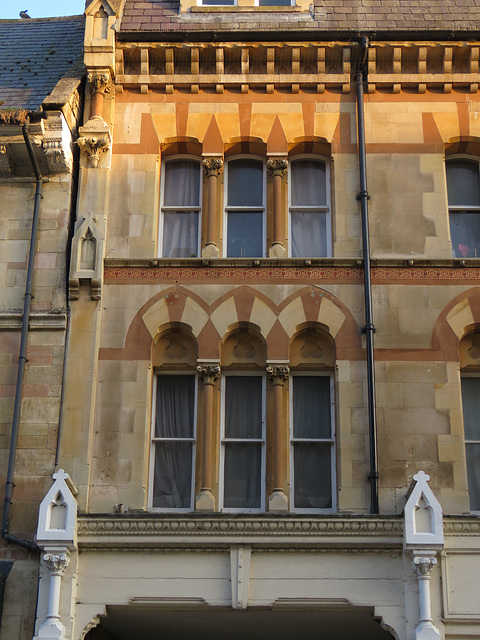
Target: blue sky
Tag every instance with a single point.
(41, 8)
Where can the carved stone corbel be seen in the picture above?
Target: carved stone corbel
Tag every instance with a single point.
(94, 146)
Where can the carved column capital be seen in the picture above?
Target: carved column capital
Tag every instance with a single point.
(423, 565)
(208, 373)
(212, 166)
(99, 82)
(94, 146)
(57, 562)
(277, 167)
(278, 374)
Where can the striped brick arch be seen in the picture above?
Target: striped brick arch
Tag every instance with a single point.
(244, 306)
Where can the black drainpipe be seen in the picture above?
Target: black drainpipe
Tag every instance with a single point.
(31, 546)
(369, 328)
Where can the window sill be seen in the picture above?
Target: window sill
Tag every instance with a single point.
(230, 9)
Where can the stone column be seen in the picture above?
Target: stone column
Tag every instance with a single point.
(57, 561)
(209, 374)
(423, 565)
(278, 374)
(212, 167)
(277, 168)
(99, 85)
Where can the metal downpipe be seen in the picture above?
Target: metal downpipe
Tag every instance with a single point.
(369, 328)
(31, 546)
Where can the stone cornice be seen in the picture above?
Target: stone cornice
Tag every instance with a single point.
(413, 65)
(219, 530)
(45, 321)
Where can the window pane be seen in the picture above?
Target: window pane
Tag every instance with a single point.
(465, 234)
(471, 413)
(274, 3)
(311, 407)
(174, 412)
(308, 183)
(182, 184)
(462, 183)
(473, 469)
(172, 482)
(242, 480)
(243, 407)
(245, 183)
(309, 234)
(245, 234)
(218, 2)
(312, 476)
(180, 234)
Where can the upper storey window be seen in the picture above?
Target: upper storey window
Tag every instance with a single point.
(245, 209)
(180, 209)
(310, 222)
(463, 186)
(471, 421)
(275, 3)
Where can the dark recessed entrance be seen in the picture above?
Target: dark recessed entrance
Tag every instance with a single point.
(132, 623)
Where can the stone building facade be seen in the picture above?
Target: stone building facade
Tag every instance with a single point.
(237, 465)
(41, 70)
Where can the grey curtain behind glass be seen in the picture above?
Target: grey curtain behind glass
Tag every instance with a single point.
(174, 420)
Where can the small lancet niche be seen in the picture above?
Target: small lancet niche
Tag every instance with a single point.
(58, 511)
(100, 24)
(422, 516)
(88, 251)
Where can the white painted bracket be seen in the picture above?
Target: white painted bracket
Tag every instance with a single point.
(423, 538)
(423, 517)
(57, 516)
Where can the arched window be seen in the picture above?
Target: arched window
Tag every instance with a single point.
(312, 423)
(180, 209)
(470, 365)
(309, 220)
(244, 225)
(242, 454)
(463, 186)
(174, 419)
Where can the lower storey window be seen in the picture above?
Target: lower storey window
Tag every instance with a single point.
(243, 442)
(312, 443)
(173, 447)
(471, 421)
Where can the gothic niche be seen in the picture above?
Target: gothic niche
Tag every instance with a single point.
(100, 24)
(244, 347)
(88, 251)
(313, 347)
(176, 348)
